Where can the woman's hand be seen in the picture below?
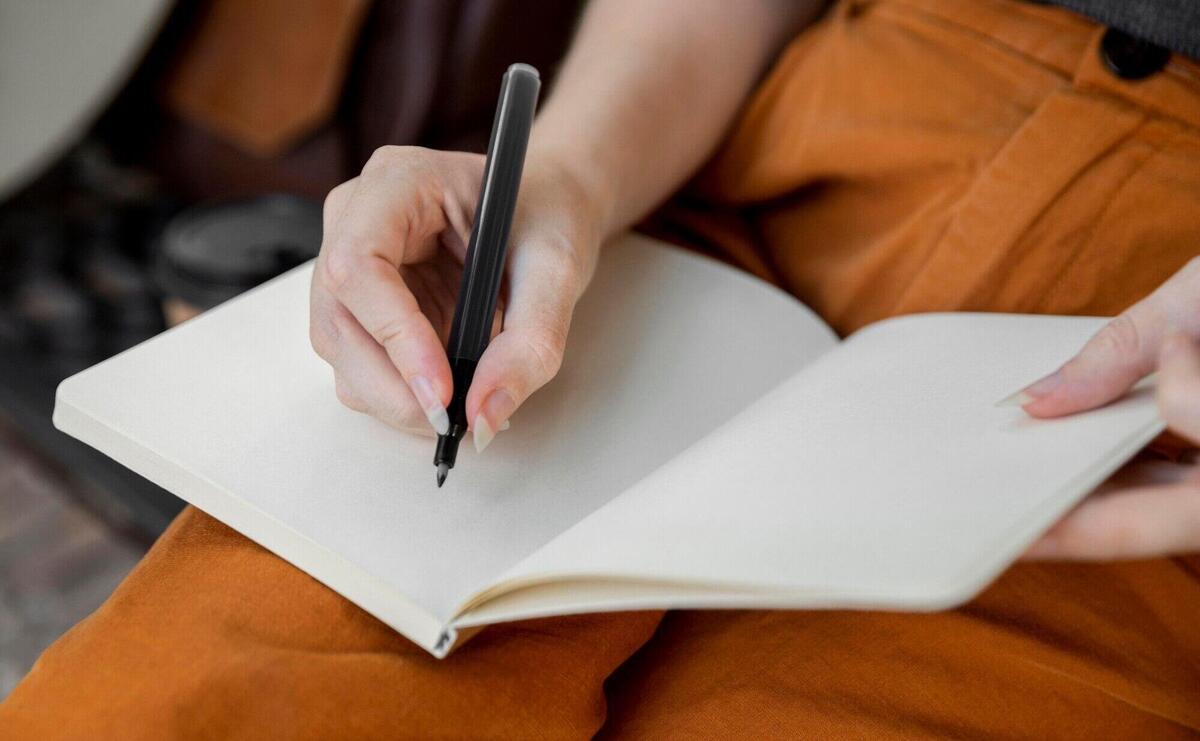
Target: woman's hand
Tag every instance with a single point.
(386, 281)
(1150, 508)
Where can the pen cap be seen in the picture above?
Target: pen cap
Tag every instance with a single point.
(483, 267)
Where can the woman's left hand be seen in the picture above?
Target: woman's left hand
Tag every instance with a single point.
(1149, 508)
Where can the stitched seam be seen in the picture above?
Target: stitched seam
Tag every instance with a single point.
(1107, 693)
(1090, 239)
(968, 197)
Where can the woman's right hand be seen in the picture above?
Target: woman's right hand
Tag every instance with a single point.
(386, 281)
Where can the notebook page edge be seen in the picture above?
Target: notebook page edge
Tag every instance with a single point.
(327, 567)
(975, 575)
(527, 598)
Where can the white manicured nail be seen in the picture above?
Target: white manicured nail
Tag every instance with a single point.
(434, 410)
(484, 434)
(1019, 399)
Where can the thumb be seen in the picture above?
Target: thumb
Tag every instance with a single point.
(529, 349)
(1117, 357)
(1121, 353)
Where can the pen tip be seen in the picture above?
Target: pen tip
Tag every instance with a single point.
(442, 470)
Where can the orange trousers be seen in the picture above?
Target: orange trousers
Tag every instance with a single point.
(903, 156)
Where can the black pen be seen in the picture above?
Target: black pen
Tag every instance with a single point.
(484, 264)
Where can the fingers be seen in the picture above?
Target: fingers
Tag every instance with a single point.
(392, 215)
(1179, 386)
(386, 265)
(545, 284)
(1122, 352)
(1114, 359)
(365, 379)
(1142, 522)
(1156, 509)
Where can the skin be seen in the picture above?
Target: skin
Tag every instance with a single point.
(384, 286)
(1150, 508)
(395, 236)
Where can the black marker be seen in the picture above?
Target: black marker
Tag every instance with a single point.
(484, 264)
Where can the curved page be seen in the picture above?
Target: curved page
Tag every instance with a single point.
(233, 412)
(883, 475)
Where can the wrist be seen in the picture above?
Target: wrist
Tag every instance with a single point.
(578, 177)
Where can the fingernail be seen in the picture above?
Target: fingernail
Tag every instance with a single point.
(496, 410)
(1018, 399)
(1034, 391)
(1044, 386)
(434, 410)
(483, 433)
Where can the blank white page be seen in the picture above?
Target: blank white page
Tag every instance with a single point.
(883, 475)
(233, 412)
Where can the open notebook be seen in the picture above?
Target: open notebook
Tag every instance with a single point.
(708, 443)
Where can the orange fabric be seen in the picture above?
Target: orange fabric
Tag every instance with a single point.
(214, 637)
(904, 155)
(264, 74)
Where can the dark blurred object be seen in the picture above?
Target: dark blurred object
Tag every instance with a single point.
(209, 254)
(73, 249)
(75, 288)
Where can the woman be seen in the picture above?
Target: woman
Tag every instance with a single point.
(900, 156)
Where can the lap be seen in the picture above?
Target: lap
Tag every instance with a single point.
(1049, 651)
(213, 636)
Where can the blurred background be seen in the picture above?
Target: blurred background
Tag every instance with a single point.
(158, 158)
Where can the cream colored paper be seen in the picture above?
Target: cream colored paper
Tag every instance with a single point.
(234, 413)
(652, 473)
(882, 476)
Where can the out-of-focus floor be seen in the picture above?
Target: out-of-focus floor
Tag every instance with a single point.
(58, 561)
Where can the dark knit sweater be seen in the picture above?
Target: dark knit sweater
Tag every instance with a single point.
(1174, 24)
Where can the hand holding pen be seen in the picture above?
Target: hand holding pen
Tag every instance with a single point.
(483, 266)
(384, 291)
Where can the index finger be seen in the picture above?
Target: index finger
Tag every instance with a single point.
(391, 218)
(1121, 353)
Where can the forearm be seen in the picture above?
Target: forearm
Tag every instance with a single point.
(649, 88)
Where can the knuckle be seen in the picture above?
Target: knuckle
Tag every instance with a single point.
(338, 269)
(564, 267)
(391, 155)
(323, 332)
(384, 156)
(335, 200)
(567, 273)
(319, 336)
(1120, 337)
(346, 395)
(326, 333)
(546, 346)
(393, 334)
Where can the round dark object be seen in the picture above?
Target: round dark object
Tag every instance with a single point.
(1129, 57)
(209, 254)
